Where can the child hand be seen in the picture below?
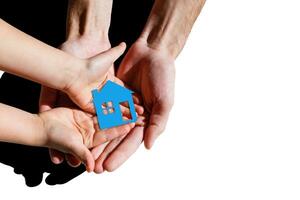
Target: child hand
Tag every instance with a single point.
(91, 74)
(74, 132)
(51, 98)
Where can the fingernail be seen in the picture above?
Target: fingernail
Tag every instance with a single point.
(122, 44)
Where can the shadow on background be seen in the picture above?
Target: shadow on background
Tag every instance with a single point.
(45, 20)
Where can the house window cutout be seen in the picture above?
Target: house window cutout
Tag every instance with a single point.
(107, 108)
(126, 114)
(111, 110)
(104, 111)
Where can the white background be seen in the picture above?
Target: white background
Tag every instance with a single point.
(234, 130)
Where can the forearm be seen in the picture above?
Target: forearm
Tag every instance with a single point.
(17, 126)
(89, 20)
(29, 58)
(170, 23)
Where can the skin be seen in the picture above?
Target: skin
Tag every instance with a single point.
(71, 131)
(71, 75)
(149, 69)
(87, 36)
(65, 129)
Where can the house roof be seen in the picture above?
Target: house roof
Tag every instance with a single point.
(109, 85)
(111, 89)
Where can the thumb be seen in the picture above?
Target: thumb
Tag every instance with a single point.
(82, 153)
(101, 63)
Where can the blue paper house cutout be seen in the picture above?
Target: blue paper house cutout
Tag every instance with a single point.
(107, 103)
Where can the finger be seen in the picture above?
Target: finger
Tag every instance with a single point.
(141, 121)
(48, 98)
(112, 133)
(118, 81)
(125, 149)
(90, 107)
(82, 153)
(139, 109)
(114, 53)
(112, 70)
(108, 149)
(125, 112)
(101, 63)
(137, 99)
(97, 150)
(72, 161)
(56, 157)
(157, 123)
(125, 71)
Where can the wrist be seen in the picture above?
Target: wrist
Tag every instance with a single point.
(87, 45)
(40, 138)
(159, 48)
(161, 43)
(91, 39)
(88, 19)
(72, 74)
(170, 23)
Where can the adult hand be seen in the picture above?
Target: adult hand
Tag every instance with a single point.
(149, 69)
(150, 72)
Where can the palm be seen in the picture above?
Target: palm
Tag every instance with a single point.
(51, 98)
(69, 126)
(152, 73)
(73, 132)
(72, 125)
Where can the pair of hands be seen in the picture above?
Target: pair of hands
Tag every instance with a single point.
(149, 72)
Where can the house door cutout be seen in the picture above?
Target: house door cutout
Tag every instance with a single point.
(125, 110)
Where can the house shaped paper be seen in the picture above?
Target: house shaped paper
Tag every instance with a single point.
(108, 102)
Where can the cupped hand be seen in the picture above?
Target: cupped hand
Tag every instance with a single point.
(51, 98)
(151, 72)
(74, 132)
(82, 48)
